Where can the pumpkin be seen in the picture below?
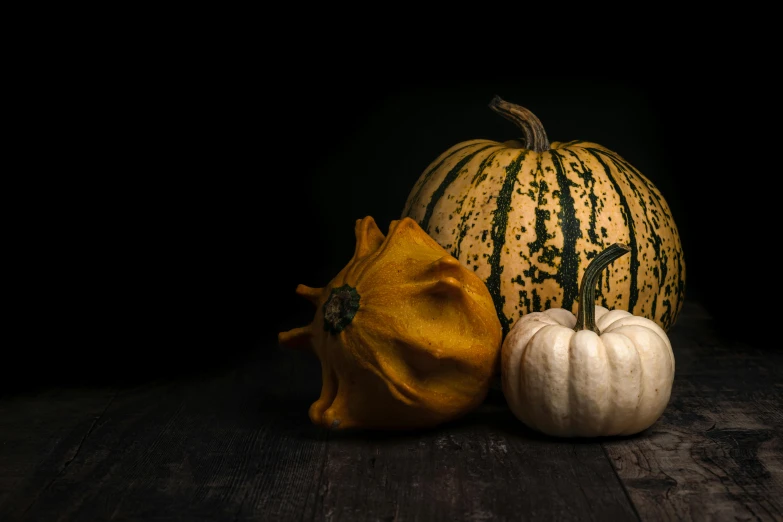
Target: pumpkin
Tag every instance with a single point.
(598, 373)
(407, 337)
(527, 216)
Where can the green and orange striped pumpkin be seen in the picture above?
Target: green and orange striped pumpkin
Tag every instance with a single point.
(528, 217)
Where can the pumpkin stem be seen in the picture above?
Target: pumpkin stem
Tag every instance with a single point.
(585, 316)
(532, 128)
(340, 308)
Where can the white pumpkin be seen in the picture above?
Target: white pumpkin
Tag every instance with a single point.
(599, 373)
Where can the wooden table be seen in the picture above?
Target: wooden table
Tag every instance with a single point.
(237, 445)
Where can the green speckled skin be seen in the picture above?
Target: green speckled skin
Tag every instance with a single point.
(528, 224)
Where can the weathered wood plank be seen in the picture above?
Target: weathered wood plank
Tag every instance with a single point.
(112, 459)
(485, 467)
(191, 450)
(239, 446)
(717, 452)
(41, 433)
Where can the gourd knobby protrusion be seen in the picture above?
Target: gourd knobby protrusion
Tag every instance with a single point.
(406, 336)
(448, 285)
(311, 294)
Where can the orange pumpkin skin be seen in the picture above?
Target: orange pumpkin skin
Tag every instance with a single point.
(407, 337)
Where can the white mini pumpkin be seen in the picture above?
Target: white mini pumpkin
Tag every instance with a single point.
(599, 373)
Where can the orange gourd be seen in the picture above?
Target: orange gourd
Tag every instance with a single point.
(406, 336)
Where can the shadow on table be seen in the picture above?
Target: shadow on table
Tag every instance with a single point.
(287, 408)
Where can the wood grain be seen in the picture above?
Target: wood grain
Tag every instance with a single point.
(484, 467)
(717, 452)
(41, 435)
(237, 445)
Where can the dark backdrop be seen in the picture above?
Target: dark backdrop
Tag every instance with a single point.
(209, 193)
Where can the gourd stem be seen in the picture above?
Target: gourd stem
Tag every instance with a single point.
(532, 128)
(585, 316)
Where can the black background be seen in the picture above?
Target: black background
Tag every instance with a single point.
(197, 198)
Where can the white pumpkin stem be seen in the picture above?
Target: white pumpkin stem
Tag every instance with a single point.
(585, 316)
(531, 126)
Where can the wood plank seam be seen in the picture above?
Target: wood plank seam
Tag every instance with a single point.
(75, 454)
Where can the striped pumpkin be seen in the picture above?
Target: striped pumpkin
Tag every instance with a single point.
(528, 217)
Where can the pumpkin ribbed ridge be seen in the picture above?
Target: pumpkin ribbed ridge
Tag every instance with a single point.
(528, 223)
